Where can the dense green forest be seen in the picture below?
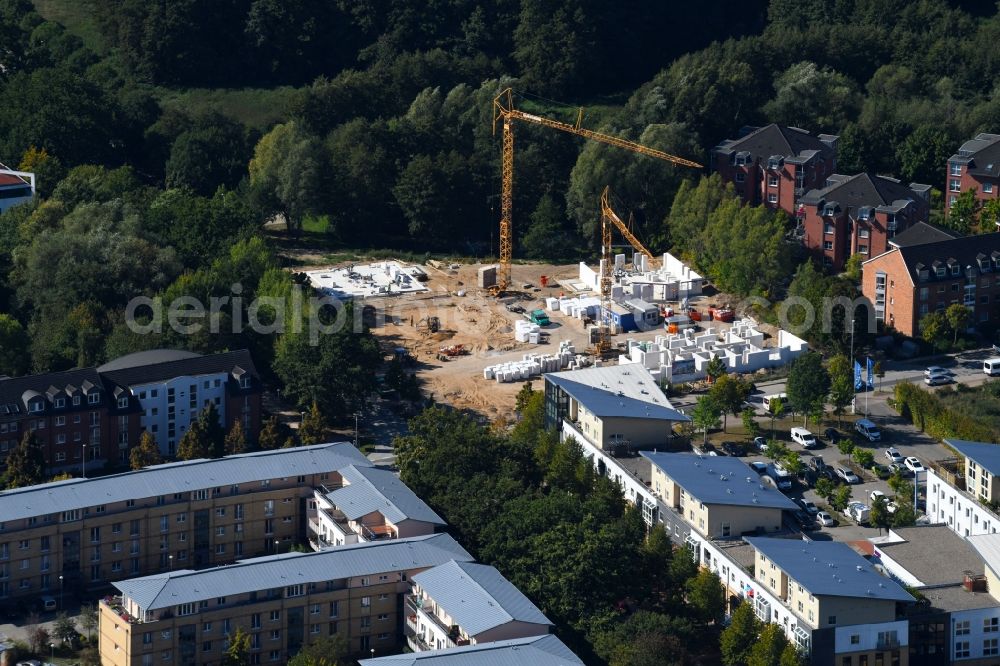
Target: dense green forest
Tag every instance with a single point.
(386, 135)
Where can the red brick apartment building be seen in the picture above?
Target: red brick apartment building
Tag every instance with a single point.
(926, 270)
(775, 165)
(859, 215)
(975, 165)
(91, 416)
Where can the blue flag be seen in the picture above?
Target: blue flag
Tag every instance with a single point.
(871, 374)
(857, 376)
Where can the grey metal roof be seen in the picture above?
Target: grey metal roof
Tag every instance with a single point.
(534, 651)
(627, 391)
(829, 568)
(176, 477)
(719, 480)
(372, 489)
(988, 547)
(477, 596)
(148, 357)
(982, 155)
(983, 454)
(262, 573)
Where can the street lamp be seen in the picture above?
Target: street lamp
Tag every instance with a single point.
(85, 460)
(373, 653)
(60, 592)
(854, 391)
(170, 560)
(356, 415)
(277, 546)
(53, 646)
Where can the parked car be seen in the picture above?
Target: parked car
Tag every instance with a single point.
(847, 476)
(805, 521)
(759, 467)
(782, 479)
(515, 308)
(804, 437)
(914, 465)
(825, 519)
(868, 430)
(760, 443)
(876, 495)
(935, 370)
(833, 435)
(881, 471)
(893, 455)
(734, 448)
(808, 506)
(901, 468)
(48, 603)
(938, 380)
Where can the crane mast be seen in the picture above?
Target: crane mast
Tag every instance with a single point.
(505, 112)
(609, 213)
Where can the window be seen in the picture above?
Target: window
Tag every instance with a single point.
(366, 602)
(772, 181)
(990, 647)
(987, 187)
(315, 609)
(951, 200)
(122, 402)
(827, 245)
(962, 628)
(855, 639)
(220, 511)
(61, 421)
(772, 198)
(832, 619)
(200, 494)
(182, 517)
(955, 186)
(863, 232)
(862, 249)
(954, 169)
(828, 228)
(275, 615)
(991, 625)
(961, 649)
(334, 608)
(94, 398)
(741, 177)
(220, 549)
(206, 646)
(185, 609)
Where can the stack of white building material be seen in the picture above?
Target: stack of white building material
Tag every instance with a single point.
(533, 365)
(552, 304)
(525, 331)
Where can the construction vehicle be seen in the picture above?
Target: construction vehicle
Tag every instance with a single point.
(503, 110)
(538, 317)
(722, 314)
(432, 324)
(454, 350)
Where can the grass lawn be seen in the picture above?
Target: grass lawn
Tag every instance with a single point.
(260, 108)
(76, 16)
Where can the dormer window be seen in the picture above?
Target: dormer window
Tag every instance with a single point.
(864, 213)
(35, 406)
(923, 273)
(774, 162)
(829, 209)
(123, 402)
(956, 269)
(60, 403)
(94, 398)
(941, 271)
(76, 400)
(245, 382)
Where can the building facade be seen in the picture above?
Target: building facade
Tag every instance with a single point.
(858, 215)
(774, 165)
(16, 187)
(910, 281)
(282, 601)
(976, 166)
(93, 416)
(81, 534)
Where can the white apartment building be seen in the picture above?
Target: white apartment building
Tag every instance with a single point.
(957, 500)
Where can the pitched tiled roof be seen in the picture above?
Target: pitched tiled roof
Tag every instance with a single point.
(964, 251)
(922, 232)
(981, 155)
(719, 480)
(477, 597)
(534, 651)
(178, 477)
(864, 189)
(829, 568)
(277, 571)
(369, 489)
(771, 140)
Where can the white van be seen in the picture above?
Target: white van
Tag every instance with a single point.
(804, 437)
(991, 366)
(868, 430)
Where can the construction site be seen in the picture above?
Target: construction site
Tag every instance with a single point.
(474, 333)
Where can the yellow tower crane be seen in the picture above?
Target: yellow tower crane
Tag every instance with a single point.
(608, 213)
(503, 110)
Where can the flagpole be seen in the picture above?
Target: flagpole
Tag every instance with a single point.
(854, 394)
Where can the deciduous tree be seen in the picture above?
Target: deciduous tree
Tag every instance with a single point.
(312, 430)
(236, 440)
(808, 383)
(145, 453)
(841, 385)
(25, 463)
(238, 652)
(705, 415)
(707, 596)
(769, 646)
(736, 640)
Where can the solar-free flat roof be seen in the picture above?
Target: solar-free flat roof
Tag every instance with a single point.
(984, 454)
(534, 651)
(167, 590)
(177, 477)
(933, 554)
(627, 391)
(719, 480)
(371, 489)
(477, 596)
(829, 568)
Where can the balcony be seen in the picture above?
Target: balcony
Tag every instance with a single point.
(417, 608)
(115, 604)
